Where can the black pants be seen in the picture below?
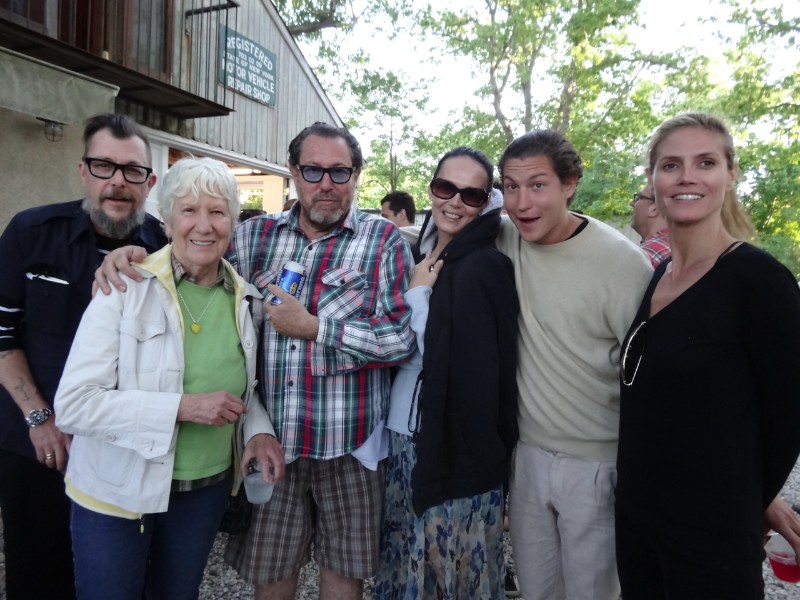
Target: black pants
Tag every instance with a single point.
(38, 549)
(654, 566)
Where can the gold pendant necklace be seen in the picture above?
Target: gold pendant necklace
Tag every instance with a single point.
(195, 326)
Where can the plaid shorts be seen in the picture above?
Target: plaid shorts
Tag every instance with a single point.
(335, 503)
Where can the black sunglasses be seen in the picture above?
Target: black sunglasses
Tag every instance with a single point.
(475, 197)
(105, 169)
(637, 197)
(314, 174)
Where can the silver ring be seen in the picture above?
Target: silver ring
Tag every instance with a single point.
(430, 269)
(49, 456)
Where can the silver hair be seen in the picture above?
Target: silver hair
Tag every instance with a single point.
(198, 176)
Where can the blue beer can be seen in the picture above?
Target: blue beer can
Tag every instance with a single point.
(291, 280)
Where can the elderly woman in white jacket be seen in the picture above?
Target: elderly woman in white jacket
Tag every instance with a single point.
(160, 394)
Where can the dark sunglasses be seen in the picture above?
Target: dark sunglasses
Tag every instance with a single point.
(475, 197)
(314, 174)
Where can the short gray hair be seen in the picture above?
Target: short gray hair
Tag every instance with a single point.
(198, 176)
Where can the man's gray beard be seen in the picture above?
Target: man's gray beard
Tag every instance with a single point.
(118, 230)
(324, 219)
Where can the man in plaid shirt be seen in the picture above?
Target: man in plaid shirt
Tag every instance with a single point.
(325, 370)
(648, 223)
(325, 374)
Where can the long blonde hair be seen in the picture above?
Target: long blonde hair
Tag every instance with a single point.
(734, 216)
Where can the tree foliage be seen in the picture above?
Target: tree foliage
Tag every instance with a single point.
(545, 61)
(383, 104)
(763, 104)
(569, 65)
(308, 19)
(390, 104)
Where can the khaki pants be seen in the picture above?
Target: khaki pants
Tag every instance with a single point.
(561, 512)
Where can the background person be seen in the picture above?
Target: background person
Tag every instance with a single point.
(49, 257)
(710, 372)
(249, 213)
(578, 280)
(154, 391)
(399, 208)
(650, 225)
(452, 430)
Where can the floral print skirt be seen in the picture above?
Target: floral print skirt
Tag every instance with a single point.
(455, 550)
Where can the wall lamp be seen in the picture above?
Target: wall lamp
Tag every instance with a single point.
(53, 130)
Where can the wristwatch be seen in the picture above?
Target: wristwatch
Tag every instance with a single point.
(38, 416)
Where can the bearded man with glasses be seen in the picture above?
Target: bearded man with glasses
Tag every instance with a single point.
(49, 255)
(326, 359)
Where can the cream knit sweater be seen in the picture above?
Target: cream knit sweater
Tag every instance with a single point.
(577, 301)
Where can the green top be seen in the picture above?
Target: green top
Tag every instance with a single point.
(214, 361)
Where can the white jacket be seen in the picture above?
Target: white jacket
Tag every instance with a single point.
(122, 384)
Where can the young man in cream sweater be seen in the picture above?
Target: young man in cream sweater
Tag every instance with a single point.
(579, 283)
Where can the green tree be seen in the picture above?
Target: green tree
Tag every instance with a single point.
(567, 65)
(374, 180)
(763, 104)
(553, 55)
(308, 19)
(381, 105)
(571, 65)
(322, 28)
(389, 103)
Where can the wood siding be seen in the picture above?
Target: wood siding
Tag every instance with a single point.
(255, 129)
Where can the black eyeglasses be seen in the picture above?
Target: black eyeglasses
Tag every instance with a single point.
(314, 174)
(632, 354)
(105, 169)
(637, 197)
(475, 197)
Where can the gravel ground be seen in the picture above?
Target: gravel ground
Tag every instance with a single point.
(222, 583)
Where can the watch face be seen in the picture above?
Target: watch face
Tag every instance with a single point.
(38, 416)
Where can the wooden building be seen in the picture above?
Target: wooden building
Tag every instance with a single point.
(217, 78)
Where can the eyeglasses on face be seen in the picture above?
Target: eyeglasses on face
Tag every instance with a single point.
(314, 174)
(632, 355)
(637, 197)
(105, 169)
(474, 197)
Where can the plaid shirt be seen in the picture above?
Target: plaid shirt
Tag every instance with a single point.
(657, 247)
(325, 396)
